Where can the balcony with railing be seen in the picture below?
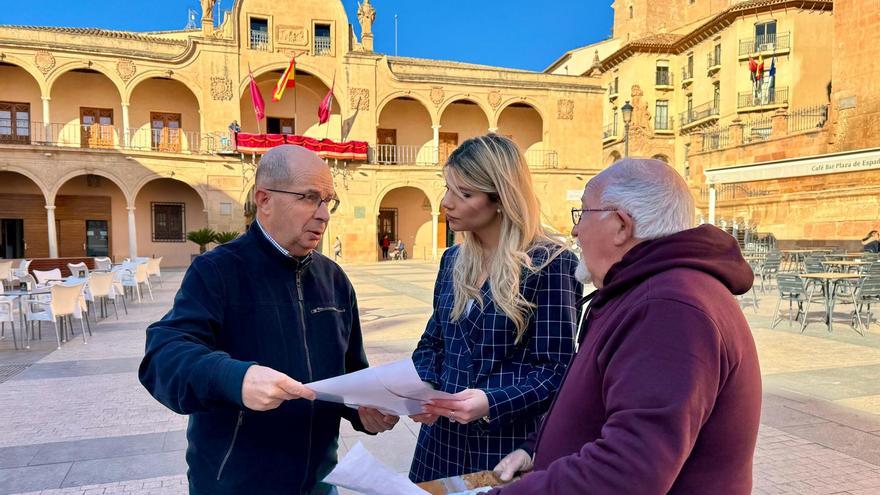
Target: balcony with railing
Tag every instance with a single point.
(762, 98)
(109, 137)
(539, 158)
(767, 44)
(323, 46)
(259, 40)
(663, 80)
(613, 90)
(609, 133)
(699, 114)
(716, 139)
(713, 62)
(403, 154)
(687, 75)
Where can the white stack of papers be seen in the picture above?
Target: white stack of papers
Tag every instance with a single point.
(393, 388)
(361, 472)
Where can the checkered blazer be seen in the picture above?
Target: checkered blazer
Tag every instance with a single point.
(479, 352)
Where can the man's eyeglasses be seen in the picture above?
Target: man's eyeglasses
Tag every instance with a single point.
(313, 199)
(577, 213)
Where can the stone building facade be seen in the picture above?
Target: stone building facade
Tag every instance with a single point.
(118, 143)
(795, 154)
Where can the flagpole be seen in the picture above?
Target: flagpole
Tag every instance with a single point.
(295, 122)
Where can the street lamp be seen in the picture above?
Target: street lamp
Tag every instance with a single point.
(627, 111)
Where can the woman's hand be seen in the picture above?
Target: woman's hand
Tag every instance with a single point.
(464, 407)
(425, 418)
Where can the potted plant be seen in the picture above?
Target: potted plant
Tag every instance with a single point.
(202, 237)
(224, 237)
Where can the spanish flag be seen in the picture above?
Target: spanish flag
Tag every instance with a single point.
(287, 80)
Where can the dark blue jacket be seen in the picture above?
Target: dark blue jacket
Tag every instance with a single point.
(245, 303)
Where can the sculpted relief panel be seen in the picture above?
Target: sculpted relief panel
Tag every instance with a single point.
(292, 35)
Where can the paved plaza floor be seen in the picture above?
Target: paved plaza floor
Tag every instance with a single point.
(76, 420)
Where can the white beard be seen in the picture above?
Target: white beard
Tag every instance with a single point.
(582, 274)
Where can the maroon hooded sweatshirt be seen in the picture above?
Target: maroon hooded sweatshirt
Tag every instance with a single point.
(664, 394)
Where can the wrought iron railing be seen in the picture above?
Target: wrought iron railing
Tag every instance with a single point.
(661, 124)
(259, 40)
(763, 97)
(768, 43)
(812, 117)
(663, 78)
(698, 112)
(542, 158)
(323, 45)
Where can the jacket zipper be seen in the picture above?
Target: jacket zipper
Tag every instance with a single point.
(302, 317)
(578, 337)
(231, 444)
(320, 310)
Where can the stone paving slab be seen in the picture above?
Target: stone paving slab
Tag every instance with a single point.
(84, 425)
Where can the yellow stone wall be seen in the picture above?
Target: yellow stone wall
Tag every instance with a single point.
(203, 75)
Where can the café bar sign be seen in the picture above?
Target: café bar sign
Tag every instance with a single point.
(797, 167)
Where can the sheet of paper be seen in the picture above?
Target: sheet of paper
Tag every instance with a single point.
(361, 472)
(393, 388)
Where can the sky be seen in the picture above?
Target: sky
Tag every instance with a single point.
(522, 34)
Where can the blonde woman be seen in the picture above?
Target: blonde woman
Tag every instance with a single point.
(501, 333)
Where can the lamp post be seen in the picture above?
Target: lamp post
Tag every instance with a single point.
(627, 111)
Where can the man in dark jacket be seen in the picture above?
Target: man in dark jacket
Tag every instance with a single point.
(664, 394)
(252, 321)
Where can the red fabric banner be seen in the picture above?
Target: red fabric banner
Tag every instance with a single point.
(325, 148)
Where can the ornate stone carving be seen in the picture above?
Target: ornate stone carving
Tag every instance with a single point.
(292, 35)
(495, 99)
(126, 69)
(565, 110)
(360, 98)
(437, 95)
(45, 61)
(221, 88)
(366, 15)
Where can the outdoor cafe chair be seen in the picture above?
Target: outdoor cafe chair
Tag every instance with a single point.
(79, 270)
(770, 267)
(45, 276)
(154, 269)
(101, 289)
(22, 269)
(7, 315)
(103, 263)
(65, 303)
(792, 289)
(6, 277)
(135, 277)
(867, 293)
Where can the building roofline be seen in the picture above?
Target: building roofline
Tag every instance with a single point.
(104, 33)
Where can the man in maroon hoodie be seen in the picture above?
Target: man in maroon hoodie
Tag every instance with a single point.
(664, 394)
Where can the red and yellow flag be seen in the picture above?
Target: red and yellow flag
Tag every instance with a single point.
(287, 80)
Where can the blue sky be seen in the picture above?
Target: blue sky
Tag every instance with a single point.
(524, 34)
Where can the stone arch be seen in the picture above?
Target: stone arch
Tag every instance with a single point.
(530, 136)
(38, 76)
(663, 158)
(41, 185)
(612, 157)
(435, 118)
(521, 99)
(192, 86)
(426, 190)
(179, 178)
(408, 217)
(53, 191)
(63, 69)
(338, 92)
(487, 111)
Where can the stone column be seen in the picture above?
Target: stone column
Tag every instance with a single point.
(434, 237)
(47, 122)
(736, 132)
(132, 234)
(712, 204)
(126, 131)
(779, 123)
(436, 142)
(53, 235)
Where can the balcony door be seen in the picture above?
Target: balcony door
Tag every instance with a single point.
(165, 131)
(448, 143)
(96, 126)
(386, 151)
(15, 122)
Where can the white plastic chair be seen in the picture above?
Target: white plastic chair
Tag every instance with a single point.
(103, 264)
(22, 269)
(44, 277)
(119, 273)
(153, 268)
(137, 276)
(66, 302)
(77, 268)
(6, 277)
(7, 315)
(101, 288)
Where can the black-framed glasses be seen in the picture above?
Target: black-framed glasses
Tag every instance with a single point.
(313, 199)
(577, 213)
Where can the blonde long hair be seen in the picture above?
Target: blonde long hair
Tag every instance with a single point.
(494, 165)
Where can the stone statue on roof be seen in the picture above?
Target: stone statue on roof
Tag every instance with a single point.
(366, 15)
(208, 10)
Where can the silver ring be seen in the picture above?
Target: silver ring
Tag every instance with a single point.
(452, 416)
